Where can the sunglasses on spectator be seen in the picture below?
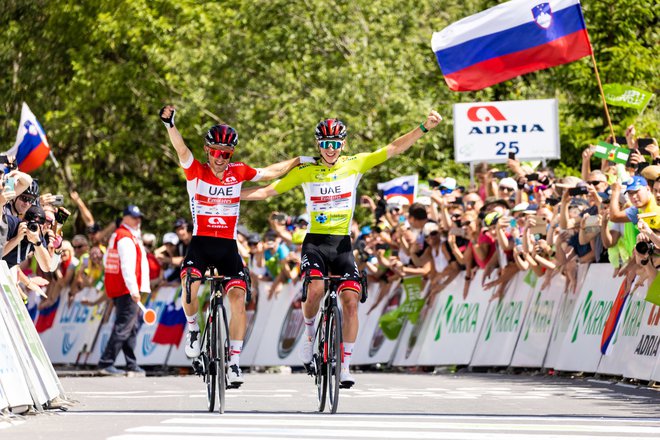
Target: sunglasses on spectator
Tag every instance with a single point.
(595, 182)
(78, 246)
(214, 152)
(506, 188)
(26, 199)
(471, 203)
(432, 234)
(335, 145)
(456, 215)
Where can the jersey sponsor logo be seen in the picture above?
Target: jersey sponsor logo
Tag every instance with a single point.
(329, 198)
(217, 221)
(204, 200)
(230, 180)
(224, 191)
(321, 218)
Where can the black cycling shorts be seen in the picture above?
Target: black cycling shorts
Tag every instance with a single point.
(331, 254)
(221, 253)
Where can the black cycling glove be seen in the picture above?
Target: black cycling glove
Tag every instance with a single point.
(169, 122)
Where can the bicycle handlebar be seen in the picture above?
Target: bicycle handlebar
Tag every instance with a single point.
(326, 279)
(216, 277)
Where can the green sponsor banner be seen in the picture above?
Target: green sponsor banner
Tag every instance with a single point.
(392, 322)
(653, 294)
(626, 96)
(612, 153)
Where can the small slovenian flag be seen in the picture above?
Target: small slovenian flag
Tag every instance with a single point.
(31, 148)
(509, 40)
(405, 186)
(46, 316)
(170, 326)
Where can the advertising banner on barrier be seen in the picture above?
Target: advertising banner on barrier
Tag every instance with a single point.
(146, 351)
(373, 346)
(537, 325)
(641, 357)
(581, 348)
(37, 367)
(626, 334)
(455, 324)
(282, 328)
(410, 339)
(503, 324)
(563, 320)
(369, 313)
(13, 383)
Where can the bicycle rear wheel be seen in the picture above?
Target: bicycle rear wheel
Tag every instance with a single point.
(335, 348)
(209, 365)
(319, 364)
(221, 358)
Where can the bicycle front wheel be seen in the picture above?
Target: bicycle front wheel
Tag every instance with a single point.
(221, 358)
(209, 365)
(335, 348)
(321, 378)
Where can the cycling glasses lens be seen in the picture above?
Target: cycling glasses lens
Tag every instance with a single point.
(220, 153)
(335, 145)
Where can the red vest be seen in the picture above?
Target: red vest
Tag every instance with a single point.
(114, 280)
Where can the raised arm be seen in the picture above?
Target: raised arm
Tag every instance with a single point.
(258, 192)
(167, 116)
(279, 169)
(406, 141)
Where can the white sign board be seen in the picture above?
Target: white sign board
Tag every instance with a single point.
(489, 131)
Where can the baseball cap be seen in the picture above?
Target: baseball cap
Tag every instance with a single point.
(429, 227)
(398, 201)
(492, 218)
(522, 206)
(651, 172)
(253, 238)
(133, 211)
(509, 182)
(170, 238)
(303, 218)
(365, 230)
(180, 222)
(35, 214)
(449, 183)
(635, 183)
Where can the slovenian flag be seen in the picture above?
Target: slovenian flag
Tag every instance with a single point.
(31, 148)
(509, 40)
(46, 316)
(170, 326)
(405, 186)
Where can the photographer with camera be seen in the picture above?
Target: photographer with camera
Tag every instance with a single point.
(26, 236)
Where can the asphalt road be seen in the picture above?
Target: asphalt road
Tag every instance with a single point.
(382, 405)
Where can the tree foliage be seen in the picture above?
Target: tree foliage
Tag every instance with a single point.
(96, 72)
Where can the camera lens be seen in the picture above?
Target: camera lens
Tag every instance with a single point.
(33, 226)
(644, 247)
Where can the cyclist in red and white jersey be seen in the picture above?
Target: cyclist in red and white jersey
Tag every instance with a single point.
(330, 186)
(214, 190)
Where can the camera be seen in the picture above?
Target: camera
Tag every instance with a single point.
(33, 226)
(278, 217)
(383, 246)
(61, 216)
(645, 247)
(578, 191)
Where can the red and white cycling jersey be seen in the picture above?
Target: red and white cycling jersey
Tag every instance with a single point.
(214, 202)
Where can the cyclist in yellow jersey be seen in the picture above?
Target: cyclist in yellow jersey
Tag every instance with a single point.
(329, 183)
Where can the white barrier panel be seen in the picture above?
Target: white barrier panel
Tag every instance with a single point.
(641, 356)
(14, 392)
(537, 326)
(503, 323)
(581, 348)
(146, 351)
(373, 347)
(625, 334)
(73, 330)
(283, 329)
(368, 314)
(455, 324)
(412, 335)
(42, 380)
(257, 317)
(563, 320)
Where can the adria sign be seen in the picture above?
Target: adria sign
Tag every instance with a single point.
(490, 131)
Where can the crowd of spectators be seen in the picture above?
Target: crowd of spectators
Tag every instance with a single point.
(513, 218)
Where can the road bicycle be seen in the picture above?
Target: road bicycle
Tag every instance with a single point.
(212, 363)
(328, 340)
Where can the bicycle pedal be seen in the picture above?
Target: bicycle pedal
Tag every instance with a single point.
(198, 367)
(309, 369)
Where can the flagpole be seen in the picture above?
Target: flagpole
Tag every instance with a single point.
(602, 93)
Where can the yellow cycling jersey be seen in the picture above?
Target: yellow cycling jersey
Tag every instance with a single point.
(330, 192)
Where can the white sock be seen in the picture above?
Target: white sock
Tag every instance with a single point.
(309, 327)
(192, 323)
(348, 352)
(235, 348)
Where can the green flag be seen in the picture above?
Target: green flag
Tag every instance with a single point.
(612, 153)
(626, 96)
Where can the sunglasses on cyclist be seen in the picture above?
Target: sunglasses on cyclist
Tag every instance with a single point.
(214, 152)
(335, 145)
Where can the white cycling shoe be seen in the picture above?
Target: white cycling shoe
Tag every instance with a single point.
(193, 347)
(235, 376)
(346, 379)
(306, 350)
